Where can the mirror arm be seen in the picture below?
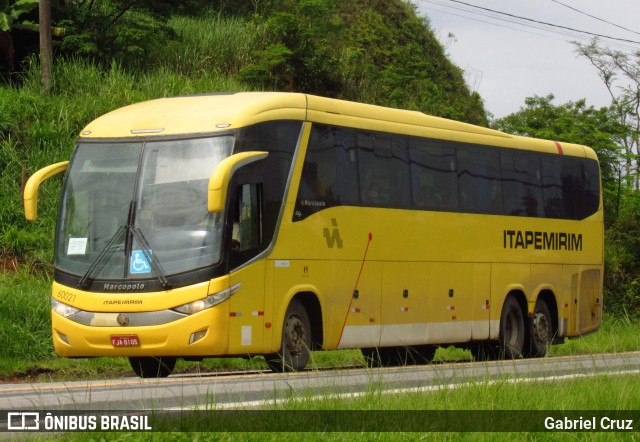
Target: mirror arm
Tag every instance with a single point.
(221, 176)
(30, 195)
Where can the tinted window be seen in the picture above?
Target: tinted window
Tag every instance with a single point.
(355, 167)
(383, 168)
(280, 139)
(521, 183)
(553, 191)
(581, 182)
(329, 176)
(479, 180)
(433, 175)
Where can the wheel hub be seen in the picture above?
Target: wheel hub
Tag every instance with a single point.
(541, 328)
(295, 334)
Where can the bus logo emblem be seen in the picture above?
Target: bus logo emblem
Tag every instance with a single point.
(333, 236)
(123, 319)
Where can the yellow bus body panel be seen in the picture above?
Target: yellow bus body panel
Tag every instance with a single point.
(381, 276)
(456, 273)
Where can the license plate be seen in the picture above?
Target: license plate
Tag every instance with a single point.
(125, 341)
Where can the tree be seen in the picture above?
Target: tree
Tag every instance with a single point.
(10, 13)
(302, 54)
(124, 30)
(620, 73)
(46, 49)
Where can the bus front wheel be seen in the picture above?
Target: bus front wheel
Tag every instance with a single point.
(296, 340)
(152, 367)
(512, 329)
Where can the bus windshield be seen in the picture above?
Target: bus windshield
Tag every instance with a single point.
(131, 208)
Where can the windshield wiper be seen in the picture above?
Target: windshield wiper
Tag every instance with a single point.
(156, 268)
(86, 279)
(130, 231)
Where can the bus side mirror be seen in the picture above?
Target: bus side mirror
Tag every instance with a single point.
(221, 176)
(30, 195)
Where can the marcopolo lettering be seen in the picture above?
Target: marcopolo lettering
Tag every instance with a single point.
(536, 240)
(123, 287)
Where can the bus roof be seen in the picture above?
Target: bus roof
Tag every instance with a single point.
(209, 113)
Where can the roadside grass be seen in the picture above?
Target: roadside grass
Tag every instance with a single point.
(26, 353)
(600, 396)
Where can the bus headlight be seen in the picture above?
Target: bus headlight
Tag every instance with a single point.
(208, 302)
(62, 309)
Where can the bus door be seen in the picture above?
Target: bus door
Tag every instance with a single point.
(247, 282)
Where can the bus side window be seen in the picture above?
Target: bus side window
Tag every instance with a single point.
(433, 174)
(555, 202)
(247, 221)
(521, 183)
(383, 170)
(479, 180)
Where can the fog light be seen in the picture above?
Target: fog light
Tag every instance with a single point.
(195, 337)
(63, 338)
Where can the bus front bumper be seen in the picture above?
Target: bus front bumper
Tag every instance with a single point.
(201, 334)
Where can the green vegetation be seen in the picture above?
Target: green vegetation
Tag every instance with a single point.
(110, 56)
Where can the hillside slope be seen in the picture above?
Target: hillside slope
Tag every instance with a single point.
(374, 51)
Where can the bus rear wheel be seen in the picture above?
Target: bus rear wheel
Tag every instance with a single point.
(541, 330)
(296, 341)
(512, 329)
(152, 367)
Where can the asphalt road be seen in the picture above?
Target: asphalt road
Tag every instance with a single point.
(259, 389)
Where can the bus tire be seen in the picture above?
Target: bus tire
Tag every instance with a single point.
(152, 367)
(512, 329)
(541, 330)
(296, 340)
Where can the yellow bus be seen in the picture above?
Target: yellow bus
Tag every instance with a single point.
(278, 223)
